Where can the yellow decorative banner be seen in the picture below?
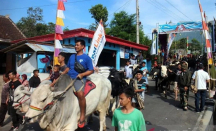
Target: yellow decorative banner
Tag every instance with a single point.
(56, 61)
(210, 61)
(59, 21)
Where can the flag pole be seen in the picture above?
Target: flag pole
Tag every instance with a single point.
(55, 37)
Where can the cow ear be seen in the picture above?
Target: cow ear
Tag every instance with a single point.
(57, 94)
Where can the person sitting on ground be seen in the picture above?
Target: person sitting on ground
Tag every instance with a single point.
(24, 80)
(127, 117)
(141, 89)
(54, 75)
(61, 60)
(79, 75)
(49, 70)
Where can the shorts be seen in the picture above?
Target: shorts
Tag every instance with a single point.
(79, 83)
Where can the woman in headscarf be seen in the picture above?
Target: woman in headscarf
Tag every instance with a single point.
(24, 80)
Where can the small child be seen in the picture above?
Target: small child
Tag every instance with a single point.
(54, 75)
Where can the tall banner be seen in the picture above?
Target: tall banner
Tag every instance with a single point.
(154, 47)
(58, 30)
(170, 41)
(97, 44)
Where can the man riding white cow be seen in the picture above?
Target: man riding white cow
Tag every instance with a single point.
(97, 97)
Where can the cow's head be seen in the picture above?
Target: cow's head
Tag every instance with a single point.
(21, 98)
(40, 98)
(163, 71)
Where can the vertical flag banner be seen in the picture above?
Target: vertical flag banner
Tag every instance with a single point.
(154, 47)
(97, 44)
(205, 31)
(58, 30)
(187, 45)
(170, 41)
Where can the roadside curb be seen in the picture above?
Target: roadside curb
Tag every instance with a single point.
(204, 120)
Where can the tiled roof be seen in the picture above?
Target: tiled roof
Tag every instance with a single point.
(9, 30)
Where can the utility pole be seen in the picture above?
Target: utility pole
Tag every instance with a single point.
(137, 21)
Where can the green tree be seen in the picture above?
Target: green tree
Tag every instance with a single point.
(66, 29)
(98, 12)
(123, 26)
(33, 24)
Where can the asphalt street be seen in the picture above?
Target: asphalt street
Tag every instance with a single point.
(160, 114)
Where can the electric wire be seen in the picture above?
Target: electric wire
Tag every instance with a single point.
(178, 10)
(44, 5)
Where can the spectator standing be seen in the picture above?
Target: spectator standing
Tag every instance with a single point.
(145, 73)
(127, 117)
(139, 58)
(201, 78)
(24, 80)
(4, 98)
(61, 60)
(14, 83)
(133, 60)
(184, 84)
(128, 70)
(34, 81)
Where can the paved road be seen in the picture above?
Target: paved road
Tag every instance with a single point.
(160, 113)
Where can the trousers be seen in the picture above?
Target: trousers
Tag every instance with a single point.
(16, 119)
(184, 97)
(202, 94)
(3, 111)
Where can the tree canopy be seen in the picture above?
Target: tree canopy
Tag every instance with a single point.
(33, 24)
(98, 12)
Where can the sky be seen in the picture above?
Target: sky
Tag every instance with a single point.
(78, 16)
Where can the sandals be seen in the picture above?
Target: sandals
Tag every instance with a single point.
(81, 124)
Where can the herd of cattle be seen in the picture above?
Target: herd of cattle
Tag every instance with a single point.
(45, 106)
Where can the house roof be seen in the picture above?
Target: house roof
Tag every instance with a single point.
(33, 46)
(9, 31)
(88, 33)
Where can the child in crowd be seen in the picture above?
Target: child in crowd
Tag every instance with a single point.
(54, 75)
(128, 118)
(140, 92)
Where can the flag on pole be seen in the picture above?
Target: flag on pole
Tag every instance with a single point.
(154, 48)
(58, 29)
(97, 44)
(205, 31)
(187, 45)
(170, 41)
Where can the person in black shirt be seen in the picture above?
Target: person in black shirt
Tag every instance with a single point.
(61, 60)
(14, 83)
(34, 81)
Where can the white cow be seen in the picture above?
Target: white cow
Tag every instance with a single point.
(64, 115)
(22, 97)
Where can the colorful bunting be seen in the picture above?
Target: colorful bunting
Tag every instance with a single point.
(58, 37)
(61, 5)
(58, 44)
(60, 14)
(59, 21)
(58, 29)
(57, 51)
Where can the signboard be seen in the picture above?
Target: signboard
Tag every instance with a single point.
(180, 27)
(122, 52)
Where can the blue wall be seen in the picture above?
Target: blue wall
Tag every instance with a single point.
(71, 41)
